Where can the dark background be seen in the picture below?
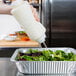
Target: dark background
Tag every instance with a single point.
(59, 17)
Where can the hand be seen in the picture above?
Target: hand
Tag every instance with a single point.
(35, 13)
(5, 9)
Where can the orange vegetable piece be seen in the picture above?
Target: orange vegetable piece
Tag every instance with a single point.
(25, 39)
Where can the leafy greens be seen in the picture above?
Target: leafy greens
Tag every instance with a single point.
(46, 55)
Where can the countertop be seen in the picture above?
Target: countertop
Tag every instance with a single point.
(18, 43)
(8, 68)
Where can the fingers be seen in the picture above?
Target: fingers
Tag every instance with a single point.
(35, 13)
(5, 9)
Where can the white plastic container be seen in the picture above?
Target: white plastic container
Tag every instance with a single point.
(23, 14)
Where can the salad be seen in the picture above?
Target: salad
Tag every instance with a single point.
(45, 55)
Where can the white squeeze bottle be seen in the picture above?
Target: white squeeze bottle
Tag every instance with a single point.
(23, 14)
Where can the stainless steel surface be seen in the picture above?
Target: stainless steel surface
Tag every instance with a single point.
(59, 17)
(63, 31)
(46, 13)
(63, 15)
(7, 68)
(45, 67)
(46, 19)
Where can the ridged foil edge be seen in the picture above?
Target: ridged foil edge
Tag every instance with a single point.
(46, 67)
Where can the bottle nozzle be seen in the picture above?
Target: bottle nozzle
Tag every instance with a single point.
(42, 39)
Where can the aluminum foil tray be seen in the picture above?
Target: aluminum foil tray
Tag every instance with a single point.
(45, 67)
